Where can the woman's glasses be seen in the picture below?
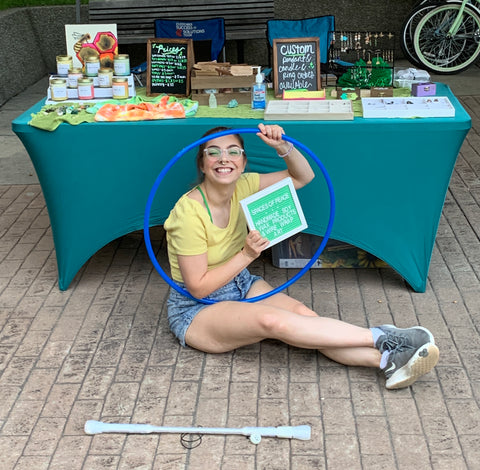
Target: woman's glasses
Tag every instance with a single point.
(216, 152)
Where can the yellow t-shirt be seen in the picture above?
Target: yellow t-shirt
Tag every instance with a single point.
(190, 231)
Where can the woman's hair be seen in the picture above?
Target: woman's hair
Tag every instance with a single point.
(201, 148)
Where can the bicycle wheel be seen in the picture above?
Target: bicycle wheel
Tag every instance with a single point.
(444, 53)
(408, 30)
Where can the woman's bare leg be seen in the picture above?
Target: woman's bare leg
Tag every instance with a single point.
(228, 325)
(363, 356)
(234, 324)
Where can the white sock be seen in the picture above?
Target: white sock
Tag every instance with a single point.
(384, 359)
(376, 333)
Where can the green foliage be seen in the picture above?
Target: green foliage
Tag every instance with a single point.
(5, 4)
(363, 75)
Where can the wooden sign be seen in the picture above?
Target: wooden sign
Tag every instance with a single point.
(169, 63)
(275, 212)
(296, 64)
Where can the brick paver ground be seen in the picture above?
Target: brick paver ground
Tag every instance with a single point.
(102, 350)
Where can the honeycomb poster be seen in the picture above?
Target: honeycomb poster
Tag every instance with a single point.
(92, 40)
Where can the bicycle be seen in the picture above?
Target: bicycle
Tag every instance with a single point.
(410, 24)
(446, 39)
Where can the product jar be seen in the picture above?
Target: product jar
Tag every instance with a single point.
(92, 64)
(105, 76)
(120, 88)
(85, 88)
(64, 64)
(121, 64)
(73, 76)
(58, 89)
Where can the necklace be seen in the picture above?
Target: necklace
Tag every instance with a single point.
(205, 202)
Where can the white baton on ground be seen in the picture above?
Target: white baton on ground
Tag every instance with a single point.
(254, 433)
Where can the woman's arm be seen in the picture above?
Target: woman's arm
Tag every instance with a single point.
(298, 167)
(201, 282)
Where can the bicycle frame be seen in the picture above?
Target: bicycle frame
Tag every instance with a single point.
(456, 24)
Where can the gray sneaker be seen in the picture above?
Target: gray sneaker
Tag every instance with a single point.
(405, 364)
(411, 338)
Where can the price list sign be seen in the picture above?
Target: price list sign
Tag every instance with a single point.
(296, 64)
(275, 212)
(169, 63)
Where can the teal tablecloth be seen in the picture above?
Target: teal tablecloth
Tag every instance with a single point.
(390, 178)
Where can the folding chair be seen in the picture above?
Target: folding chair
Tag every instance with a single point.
(319, 27)
(138, 70)
(212, 29)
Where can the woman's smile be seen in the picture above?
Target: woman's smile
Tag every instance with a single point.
(224, 170)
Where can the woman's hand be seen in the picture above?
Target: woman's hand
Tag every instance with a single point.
(254, 245)
(298, 167)
(272, 135)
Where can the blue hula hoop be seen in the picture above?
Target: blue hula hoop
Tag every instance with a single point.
(168, 166)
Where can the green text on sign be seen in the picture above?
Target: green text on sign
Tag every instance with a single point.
(275, 212)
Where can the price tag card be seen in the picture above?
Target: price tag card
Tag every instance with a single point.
(275, 212)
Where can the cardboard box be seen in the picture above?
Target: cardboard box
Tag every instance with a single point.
(424, 89)
(227, 87)
(381, 92)
(298, 250)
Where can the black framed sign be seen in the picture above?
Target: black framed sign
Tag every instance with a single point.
(169, 63)
(296, 64)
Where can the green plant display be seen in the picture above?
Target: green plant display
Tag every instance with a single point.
(377, 74)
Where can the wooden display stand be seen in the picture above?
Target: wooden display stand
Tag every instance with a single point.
(228, 87)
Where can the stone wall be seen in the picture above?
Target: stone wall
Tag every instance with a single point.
(376, 15)
(368, 15)
(32, 37)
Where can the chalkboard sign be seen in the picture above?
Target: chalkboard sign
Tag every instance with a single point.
(296, 64)
(169, 63)
(275, 212)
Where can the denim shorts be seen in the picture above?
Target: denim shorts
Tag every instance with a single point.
(182, 309)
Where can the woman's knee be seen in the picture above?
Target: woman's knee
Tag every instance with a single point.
(273, 322)
(301, 309)
(286, 302)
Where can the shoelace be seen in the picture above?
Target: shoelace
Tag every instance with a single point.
(395, 343)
